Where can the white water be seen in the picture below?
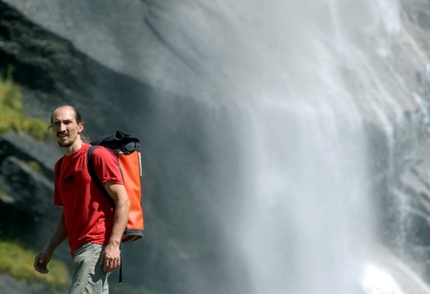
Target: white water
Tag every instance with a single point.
(313, 73)
(307, 201)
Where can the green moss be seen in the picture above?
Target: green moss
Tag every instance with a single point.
(37, 128)
(34, 165)
(12, 117)
(18, 263)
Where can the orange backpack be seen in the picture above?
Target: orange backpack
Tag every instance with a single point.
(126, 148)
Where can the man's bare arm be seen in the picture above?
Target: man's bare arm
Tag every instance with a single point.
(111, 258)
(58, 236)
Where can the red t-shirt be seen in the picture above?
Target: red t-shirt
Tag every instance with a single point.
(88, 212)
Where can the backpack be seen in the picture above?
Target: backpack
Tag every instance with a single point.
(126, 148)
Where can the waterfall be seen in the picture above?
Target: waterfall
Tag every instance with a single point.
(307, 217)
(312, 77)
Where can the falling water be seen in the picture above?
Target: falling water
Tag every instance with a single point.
(315, 76)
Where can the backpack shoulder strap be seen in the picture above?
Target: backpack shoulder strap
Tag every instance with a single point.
(92, 172)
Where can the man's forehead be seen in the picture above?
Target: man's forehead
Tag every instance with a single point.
(64, 114)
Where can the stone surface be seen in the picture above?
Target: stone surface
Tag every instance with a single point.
(53, 72)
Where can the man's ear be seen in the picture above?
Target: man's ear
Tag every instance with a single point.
(80, 128)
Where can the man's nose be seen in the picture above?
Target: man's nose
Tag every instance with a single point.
(62, 127)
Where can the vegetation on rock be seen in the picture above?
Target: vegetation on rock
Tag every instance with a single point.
(18, 263)
(12, 117)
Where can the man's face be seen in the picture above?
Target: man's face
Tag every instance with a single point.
(65, 127)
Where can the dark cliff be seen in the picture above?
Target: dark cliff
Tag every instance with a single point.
(52, 72)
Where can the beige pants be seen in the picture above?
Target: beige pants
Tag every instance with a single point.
(88, 275)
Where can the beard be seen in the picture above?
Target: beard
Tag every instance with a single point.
(66, 144)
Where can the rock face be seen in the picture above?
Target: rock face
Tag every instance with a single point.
(178, 167)
(52, 72)
(26, 187)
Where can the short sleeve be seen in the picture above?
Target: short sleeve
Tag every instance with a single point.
(106, 166)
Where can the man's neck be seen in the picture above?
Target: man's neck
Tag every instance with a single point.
(73, 148)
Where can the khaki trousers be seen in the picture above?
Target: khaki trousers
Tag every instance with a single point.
(88, 276)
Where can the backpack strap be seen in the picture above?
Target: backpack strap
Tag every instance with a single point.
(120, 265)
(92, 172)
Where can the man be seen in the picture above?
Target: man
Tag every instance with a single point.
(88, 220)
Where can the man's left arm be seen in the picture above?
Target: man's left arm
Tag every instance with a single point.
(111, 258)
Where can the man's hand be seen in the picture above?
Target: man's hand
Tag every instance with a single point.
(111, 258)
(41, 261)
